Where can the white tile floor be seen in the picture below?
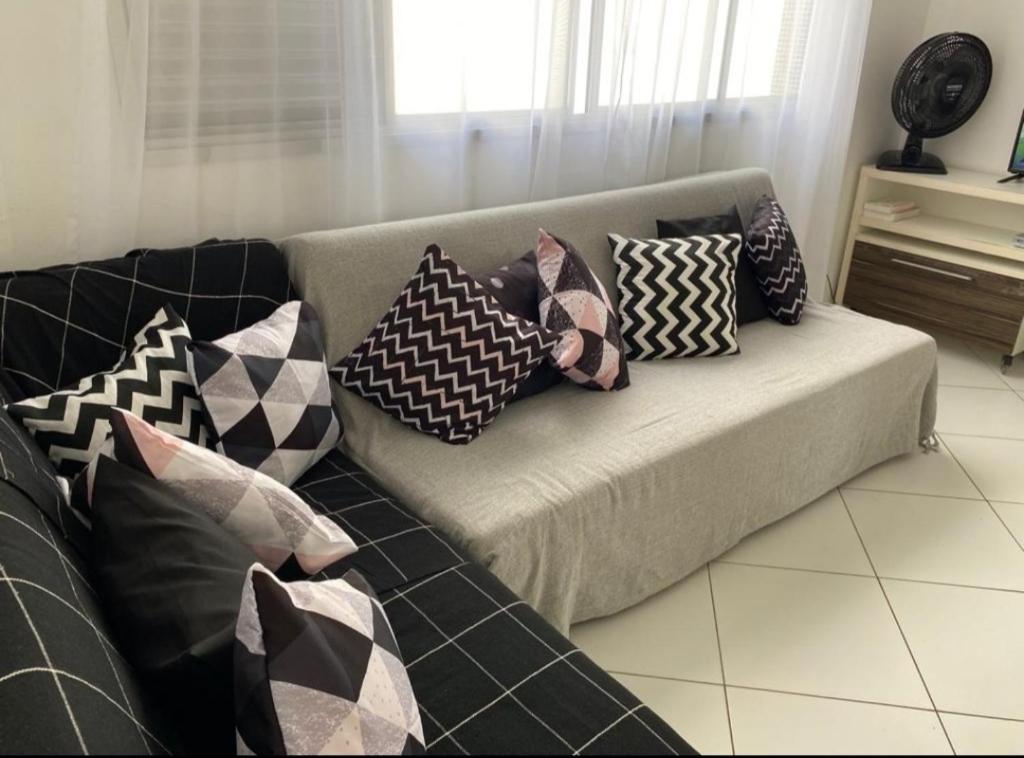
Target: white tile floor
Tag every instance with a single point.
(887, 617)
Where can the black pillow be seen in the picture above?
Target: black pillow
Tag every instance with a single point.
(170, 580)
(514, 285)
(750, 306)
(68, 322)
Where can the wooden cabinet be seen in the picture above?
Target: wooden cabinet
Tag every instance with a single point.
(953, 269)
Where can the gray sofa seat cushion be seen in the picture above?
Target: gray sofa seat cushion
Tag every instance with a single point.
(586, 503)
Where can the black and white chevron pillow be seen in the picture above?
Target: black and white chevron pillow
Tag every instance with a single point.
(151, 381)
(772, 249)
(677, 297)
(446, 358)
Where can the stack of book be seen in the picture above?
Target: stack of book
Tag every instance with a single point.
(891, 210)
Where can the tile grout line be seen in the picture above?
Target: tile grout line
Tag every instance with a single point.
(982, 436)
(984, 361)
(989, 502)
(899, 626)
(870, 576)
(721, 658)
(978, 499)
(819, 696)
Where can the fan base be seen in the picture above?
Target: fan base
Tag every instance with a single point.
(927, 163)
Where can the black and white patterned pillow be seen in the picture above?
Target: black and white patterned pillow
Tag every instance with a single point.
(677, 297)
(318, 671)
(266, 393)
(772, 249)
(152, 381)
(446, 357)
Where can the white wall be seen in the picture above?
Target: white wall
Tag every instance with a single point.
(984, 142)
(896, 28)
(37, 108)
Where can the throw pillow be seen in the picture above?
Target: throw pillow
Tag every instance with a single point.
(750, 306)
(446, 357)
(266, 394)
(574, 303)
(264, 515)
(677, 297)
(772, 249)
(170, 580)
(514, 285)
(318, 671)
(151, 381)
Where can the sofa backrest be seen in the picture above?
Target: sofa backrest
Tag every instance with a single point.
(352, 276)
(60, 324)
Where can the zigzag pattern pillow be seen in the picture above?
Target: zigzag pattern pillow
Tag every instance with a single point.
(772, 249)
(152, 381)
(446, 358)
(677, 297)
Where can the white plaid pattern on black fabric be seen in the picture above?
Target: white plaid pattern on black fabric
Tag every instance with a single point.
(489, 673)
(82, 316)
(64, 687)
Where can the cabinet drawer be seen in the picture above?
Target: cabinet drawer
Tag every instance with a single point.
(924, 292)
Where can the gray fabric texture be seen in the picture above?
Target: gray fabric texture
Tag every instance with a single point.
(586, 503)
(351, 276)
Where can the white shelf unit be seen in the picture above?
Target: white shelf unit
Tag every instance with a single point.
(967, 220)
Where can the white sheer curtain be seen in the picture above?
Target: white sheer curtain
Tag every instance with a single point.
(263, 117)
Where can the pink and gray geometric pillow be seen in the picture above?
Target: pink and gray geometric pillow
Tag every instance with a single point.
(772, 249)
(151, 380)
(318, 671)
(266, 393)
(267, 517)
(446, 357)
(574, 304)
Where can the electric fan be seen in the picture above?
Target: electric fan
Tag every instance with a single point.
(939, 86)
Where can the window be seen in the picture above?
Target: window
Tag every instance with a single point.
(236, 70)
(484, 56)
(249, 68)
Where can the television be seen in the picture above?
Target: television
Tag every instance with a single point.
(1017, 158)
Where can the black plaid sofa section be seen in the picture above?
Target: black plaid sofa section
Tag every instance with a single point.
(64, 687)
(60, 324)
(491, 676)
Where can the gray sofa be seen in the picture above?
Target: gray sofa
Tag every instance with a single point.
(585, 503)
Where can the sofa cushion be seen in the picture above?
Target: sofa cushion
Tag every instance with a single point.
(695, 456)
(170, 579)
(153, 381)
(446, 357)
(489, 674)
(65, 687)
(266, 394)
(772, 249)
(750, 305)
(260, 513)
(82, 316)
(514, 285)
(677, 297)
(575, 304)
(317, 671)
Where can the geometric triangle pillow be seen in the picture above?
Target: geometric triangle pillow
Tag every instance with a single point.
(268, 518)
(266, 394)
(574, 304)
(318, 672)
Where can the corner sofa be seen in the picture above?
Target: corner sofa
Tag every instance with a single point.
(489, 674)
(584, 503)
